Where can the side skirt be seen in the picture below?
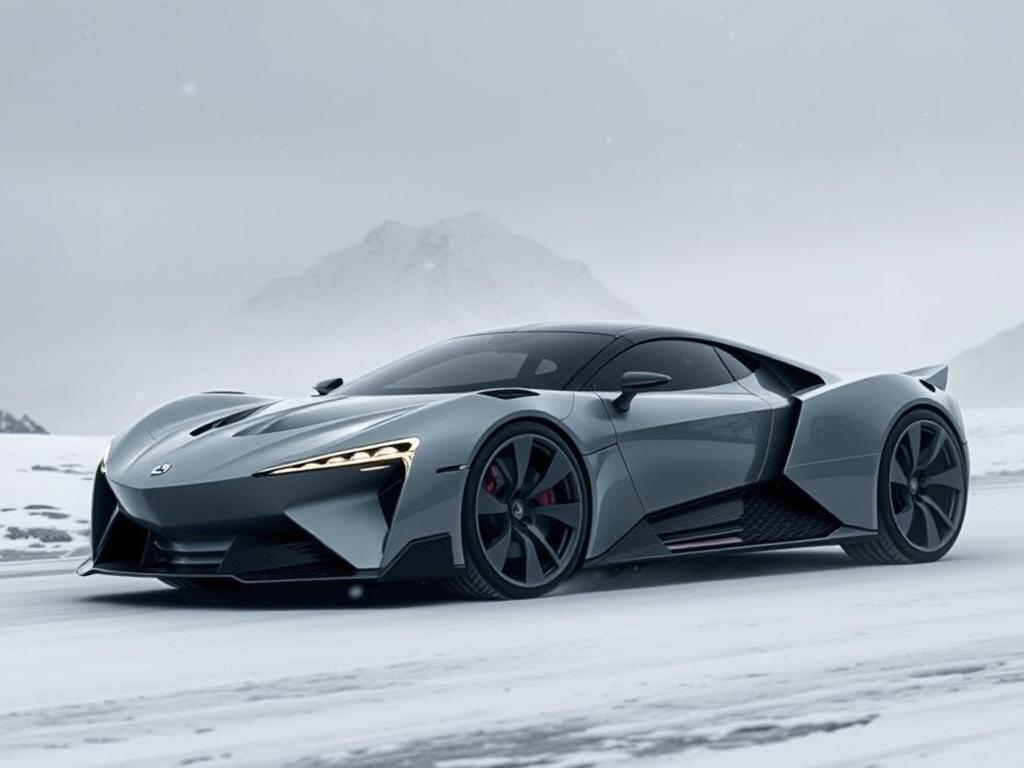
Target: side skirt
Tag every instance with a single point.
(773, 515)
(844, 535)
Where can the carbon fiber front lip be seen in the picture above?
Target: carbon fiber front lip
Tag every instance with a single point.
(89, 568)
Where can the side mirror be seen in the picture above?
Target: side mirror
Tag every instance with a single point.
(635, 382)
(327, 386)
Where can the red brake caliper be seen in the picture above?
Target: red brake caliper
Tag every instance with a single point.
(491, 481)
(545, 498)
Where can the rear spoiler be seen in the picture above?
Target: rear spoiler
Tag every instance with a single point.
(936, 376)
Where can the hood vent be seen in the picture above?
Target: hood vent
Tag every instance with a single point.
(225, 421)
(509, 394)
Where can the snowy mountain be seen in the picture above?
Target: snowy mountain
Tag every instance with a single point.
(9, 423)
(398, 289)
(992, 373)
(460, 274)
(403, 287)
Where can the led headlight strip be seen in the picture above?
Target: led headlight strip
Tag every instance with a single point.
(397, 450)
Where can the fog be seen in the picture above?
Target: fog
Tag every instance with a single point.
(838, 182)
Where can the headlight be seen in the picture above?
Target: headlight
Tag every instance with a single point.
(368, 456)
(103, 458)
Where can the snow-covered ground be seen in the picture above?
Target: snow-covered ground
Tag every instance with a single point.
(797, 658)
(996, 438)
(791, 658)
(45, 494)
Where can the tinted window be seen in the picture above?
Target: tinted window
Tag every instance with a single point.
(739, 364)
(690, 364)
(538, 360)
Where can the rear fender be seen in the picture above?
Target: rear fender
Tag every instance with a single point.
(840, 433)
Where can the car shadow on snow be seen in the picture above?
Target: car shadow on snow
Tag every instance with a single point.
(311, 596)
(716, 566)
(277, 597)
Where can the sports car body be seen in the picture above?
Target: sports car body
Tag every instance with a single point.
(503, 461)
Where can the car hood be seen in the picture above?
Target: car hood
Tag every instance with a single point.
(235, 436)
(332, 412)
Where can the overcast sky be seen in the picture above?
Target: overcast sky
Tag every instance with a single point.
(841, 181)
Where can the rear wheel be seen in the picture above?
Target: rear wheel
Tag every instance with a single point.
(922, 493)
(524, 515)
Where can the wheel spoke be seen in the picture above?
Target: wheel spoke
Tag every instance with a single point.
(934, 451)
(497, 552)
(929, 503)
(534, 572)
(557, 470)
(538, 537)
(897, 474)
(567, 514)
(951, 478)
(523, 447)
(905, 518)
(486, 504)
(914, 444)
(932, 537)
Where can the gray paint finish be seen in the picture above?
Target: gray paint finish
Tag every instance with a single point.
(671, 448)
(682, 446)
(839, 437)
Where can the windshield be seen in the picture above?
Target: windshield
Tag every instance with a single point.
(537, 360)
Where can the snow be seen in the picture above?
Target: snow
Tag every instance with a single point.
(790, 658)
(796, 658)
(996, 437)
(45, 494)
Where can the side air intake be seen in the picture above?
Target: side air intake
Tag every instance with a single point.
(509, 394)
(771, 513)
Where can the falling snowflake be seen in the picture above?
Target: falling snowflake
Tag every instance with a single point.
(188, 89)
(429, 266)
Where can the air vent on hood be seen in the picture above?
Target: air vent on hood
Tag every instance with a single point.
(226, 420)
(509, 394)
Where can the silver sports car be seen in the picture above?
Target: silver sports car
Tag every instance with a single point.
(503, 461)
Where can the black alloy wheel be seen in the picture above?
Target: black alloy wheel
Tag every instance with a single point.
(525, 514)
(922, 493)
(926, 485)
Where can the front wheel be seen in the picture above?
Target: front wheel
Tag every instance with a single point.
(525, 514)
(922, 493)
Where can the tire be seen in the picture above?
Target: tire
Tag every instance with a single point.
(525, 515)
(922, 493)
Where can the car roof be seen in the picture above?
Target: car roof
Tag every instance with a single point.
(646, 331)
(611, 328)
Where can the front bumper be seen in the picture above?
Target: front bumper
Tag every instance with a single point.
(327, 525)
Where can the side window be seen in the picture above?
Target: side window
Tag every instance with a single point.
(691, 365)
(739, 367)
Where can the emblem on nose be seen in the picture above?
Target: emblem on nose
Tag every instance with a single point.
(160, 469)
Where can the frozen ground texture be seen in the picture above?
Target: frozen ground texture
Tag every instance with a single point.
(45, 494)
(789, 658)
